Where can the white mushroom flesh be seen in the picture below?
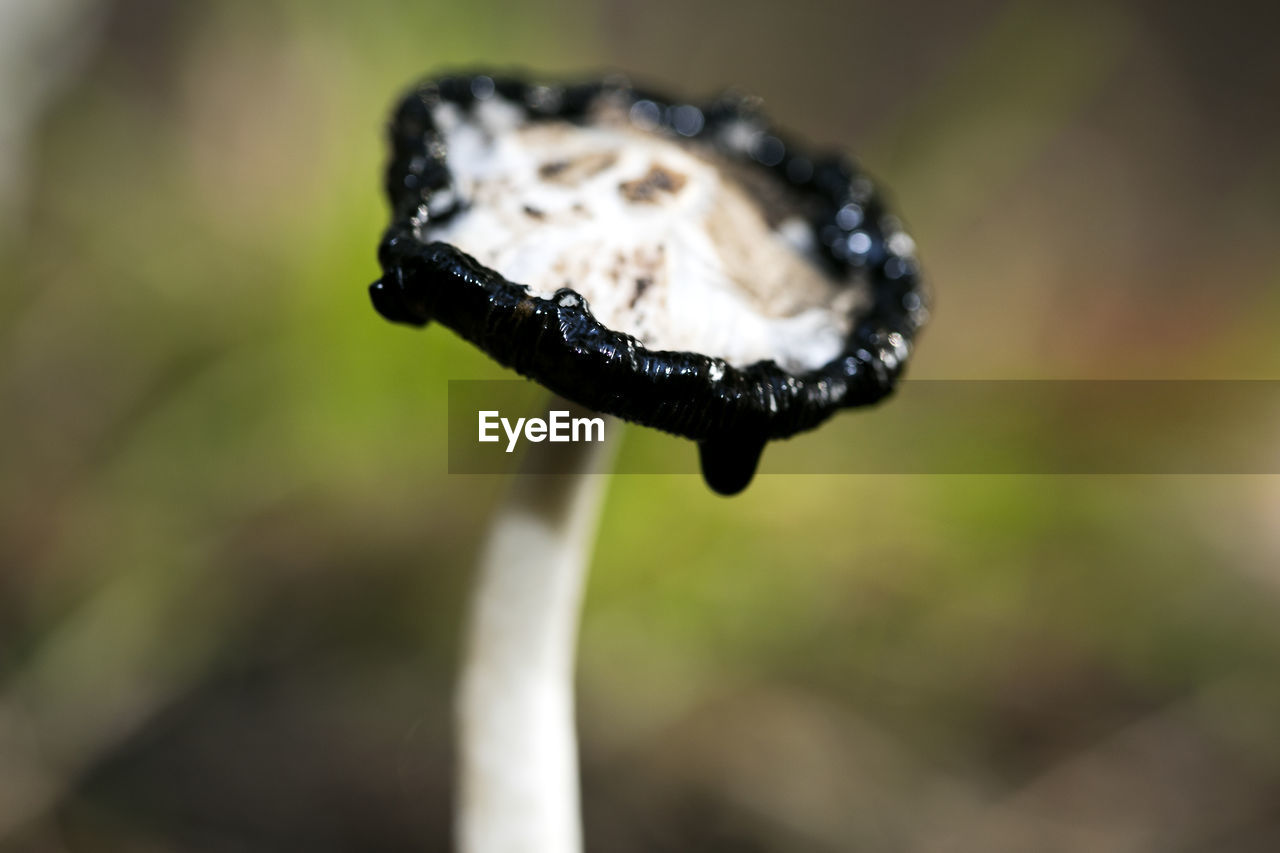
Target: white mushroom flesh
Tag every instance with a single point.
(658, 237)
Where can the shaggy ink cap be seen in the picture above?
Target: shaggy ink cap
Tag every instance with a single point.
(683, 266)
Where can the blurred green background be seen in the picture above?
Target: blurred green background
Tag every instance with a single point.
(232, 565)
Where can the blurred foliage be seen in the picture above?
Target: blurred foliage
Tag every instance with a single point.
(232, 563)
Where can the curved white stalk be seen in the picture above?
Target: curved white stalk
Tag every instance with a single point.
(518, 756)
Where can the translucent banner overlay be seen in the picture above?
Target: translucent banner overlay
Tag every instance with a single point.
(938, 427)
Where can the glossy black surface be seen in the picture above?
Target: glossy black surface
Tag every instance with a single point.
(731, 412)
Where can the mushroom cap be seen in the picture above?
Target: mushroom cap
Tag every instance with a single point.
(730, 408)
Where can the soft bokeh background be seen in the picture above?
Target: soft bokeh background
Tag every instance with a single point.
(232, 564)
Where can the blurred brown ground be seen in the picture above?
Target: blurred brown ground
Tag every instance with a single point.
(232, 565)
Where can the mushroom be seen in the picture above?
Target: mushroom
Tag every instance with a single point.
(679, 266)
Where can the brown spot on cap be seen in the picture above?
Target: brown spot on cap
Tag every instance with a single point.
(657, 180)
(642, 284)
(550, 170)
(570, 172)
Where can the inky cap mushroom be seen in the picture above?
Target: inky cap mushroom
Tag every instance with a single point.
(685, 267)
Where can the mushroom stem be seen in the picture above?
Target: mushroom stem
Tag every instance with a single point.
(518, 756)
